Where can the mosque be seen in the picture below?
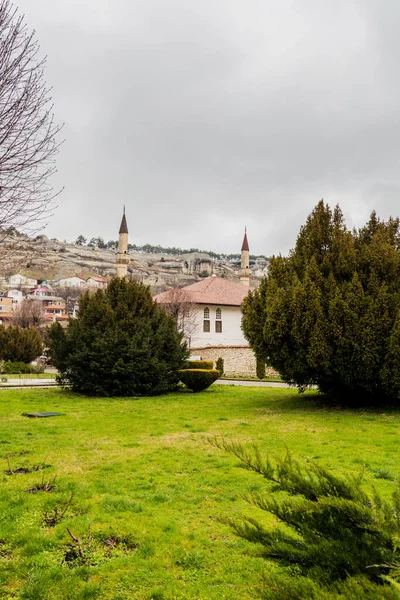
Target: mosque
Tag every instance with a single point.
(214, 328)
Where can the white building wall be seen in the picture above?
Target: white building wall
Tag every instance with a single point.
(231, 332)
(71, 282)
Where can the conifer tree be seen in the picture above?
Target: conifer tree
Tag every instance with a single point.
(122, 343)
(328, 313)
(329, 536)
(20, 344)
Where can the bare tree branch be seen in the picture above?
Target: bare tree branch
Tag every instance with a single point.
(178, 304)
(28, 132)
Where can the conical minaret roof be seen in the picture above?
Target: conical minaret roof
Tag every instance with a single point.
(124, 224)
(245, 245)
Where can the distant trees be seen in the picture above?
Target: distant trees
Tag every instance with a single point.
(98, 242)
(329, 313)
(19, 344)
(80, 240)
(121, 344)
(27, 130)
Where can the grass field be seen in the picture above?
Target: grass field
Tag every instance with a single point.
(148, 492)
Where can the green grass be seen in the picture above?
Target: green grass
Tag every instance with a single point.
(148, 492)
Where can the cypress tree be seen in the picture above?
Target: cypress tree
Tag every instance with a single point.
(122, 343)
(327, 314)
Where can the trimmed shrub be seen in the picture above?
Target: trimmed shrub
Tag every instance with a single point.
(260, 368)
(198, 379)
(18, 368)
(200, 364)
(220, 365)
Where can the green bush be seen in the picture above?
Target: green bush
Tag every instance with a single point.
(122, 343)
(260, 368)
(199, 364)
(18, 368)
(198, 379)
(329, 529)
(220, 365)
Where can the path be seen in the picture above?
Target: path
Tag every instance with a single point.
(273, 384)
(43, 383)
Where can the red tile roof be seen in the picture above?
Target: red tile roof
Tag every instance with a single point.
(212, 290)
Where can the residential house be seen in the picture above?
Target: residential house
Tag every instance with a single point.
(97, 282)
(16, 296)
(21, 280)
(40, 292)
(6, 303)
(72, 282)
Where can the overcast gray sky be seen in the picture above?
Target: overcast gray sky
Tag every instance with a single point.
(204, 117)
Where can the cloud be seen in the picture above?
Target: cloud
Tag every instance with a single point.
(206, 117)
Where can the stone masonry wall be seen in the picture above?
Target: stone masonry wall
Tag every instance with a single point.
(239, 361)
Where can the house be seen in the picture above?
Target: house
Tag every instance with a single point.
(6, 303)
(72, 282)
(40, 291)
(212, 323)
(18, 279)
(51, 305)
(16, 296)
(96, 281)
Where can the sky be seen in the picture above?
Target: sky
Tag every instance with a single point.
(206, 117)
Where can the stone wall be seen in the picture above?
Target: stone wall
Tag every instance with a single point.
(239, 361)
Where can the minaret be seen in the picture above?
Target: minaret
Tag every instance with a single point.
(245, 272)
(122, 254)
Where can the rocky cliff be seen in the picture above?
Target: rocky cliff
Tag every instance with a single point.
(41, 258)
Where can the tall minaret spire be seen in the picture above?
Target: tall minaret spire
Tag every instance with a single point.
(122, 254)
(245, 272)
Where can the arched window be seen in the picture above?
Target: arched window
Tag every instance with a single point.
(206, 321)
(218, 321)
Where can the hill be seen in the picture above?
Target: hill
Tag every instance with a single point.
(42, 258)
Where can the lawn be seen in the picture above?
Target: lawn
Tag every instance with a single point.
(148, 493)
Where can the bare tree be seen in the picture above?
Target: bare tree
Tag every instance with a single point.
(178, 304)
(28, 132)
(29, 314)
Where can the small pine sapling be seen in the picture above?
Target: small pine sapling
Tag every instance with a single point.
(329, 529)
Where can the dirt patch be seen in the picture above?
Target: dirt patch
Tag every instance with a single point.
(32, 469)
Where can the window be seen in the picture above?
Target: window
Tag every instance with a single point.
(206, 321)
(218, 321)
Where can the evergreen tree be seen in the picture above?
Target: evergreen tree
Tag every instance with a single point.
(20, 344)
(328, 313)
(330, 537)
(121, 344)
